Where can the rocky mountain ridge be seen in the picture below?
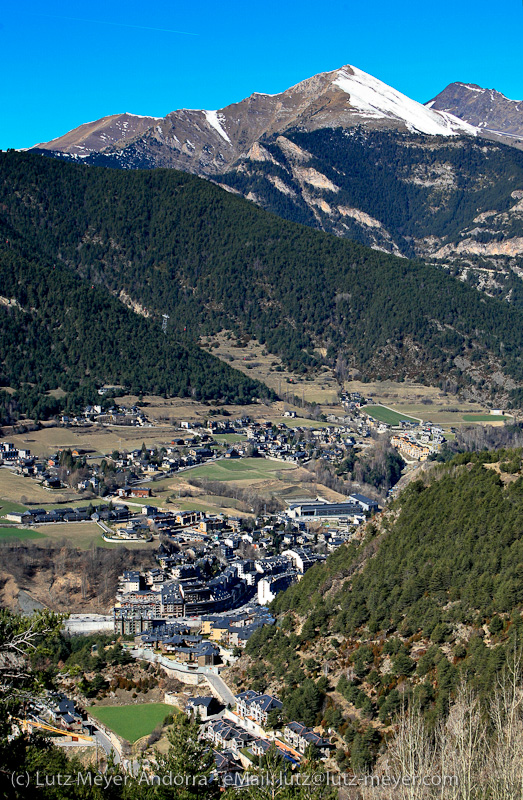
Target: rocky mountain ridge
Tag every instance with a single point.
(207, 142)
(347, 154)
(455, 202)
(488, 110)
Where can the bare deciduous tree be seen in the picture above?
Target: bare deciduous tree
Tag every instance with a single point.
(462, 744)
(412, 755)
(504, 773)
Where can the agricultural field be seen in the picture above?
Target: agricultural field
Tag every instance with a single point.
(95, 441)
(167, 413)
(486, 417)
(8, 507)
(387, 415)
(428, 403)
(266, 478)
(133, 721)
(242, 470)
(301, 422)
(82, 503)
(26, 491)
(84, 535)
(253, 360)
(214, 505)
(8, 533)
(229, 438)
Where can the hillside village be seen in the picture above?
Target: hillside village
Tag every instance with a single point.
(193, 613)
(211, 562)
(238, 733)
(261, 406)
(330, 441)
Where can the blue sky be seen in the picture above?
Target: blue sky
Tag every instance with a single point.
(67, 63)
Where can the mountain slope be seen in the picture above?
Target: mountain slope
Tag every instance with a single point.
(206, 142)
(345, 153)
(179, 245)
(486, 109)
(333, 150)
(92, 137)
(456, 201)
(425, 600)
(57, 330)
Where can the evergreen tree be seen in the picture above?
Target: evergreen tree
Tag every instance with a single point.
(185, 771)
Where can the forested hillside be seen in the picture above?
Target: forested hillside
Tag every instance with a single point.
(176, 244)
(59, 331)
(456, 201)
(432, 595)
(413, 185)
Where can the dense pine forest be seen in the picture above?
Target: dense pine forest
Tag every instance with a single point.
(431, 597)
(179, 245)
(60, 331)
(414, 186)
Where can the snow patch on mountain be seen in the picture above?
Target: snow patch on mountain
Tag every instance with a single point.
(472, 87)
(376, 99)
(214, 121)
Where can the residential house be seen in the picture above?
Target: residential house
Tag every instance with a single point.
(257, 706)
(300, 737)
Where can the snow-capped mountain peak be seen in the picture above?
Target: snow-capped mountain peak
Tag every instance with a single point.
(487, 109)
(208, 142)
(376, 99)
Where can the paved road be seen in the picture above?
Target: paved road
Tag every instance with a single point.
(221, 689)
(106, 745)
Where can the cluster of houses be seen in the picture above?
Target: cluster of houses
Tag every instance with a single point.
(239, 736)
(179, 588)
(235, 629)
(418, 443)
(185, 583)
(181, 643)
(298, 444)
(38, 516)
(201, 644)
(135, 610)
(56, 709)
(127, 468)
(21, 461)
(115, 415)
(195, 445)
(12, 456)
(190, 594)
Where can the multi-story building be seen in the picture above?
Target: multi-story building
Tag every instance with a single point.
(300, 738)
(252, 705)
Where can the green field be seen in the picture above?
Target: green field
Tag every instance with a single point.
(85, 535)
(386, 415)
(229, 438)
(485, 417)
(134, 721)
(242, 469)
(301, 422)
(7, 533)
(7, 507)
(211, 504)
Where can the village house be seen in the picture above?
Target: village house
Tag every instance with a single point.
(224, 734)
(202, 707)
(300, 738)
(257, 706)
